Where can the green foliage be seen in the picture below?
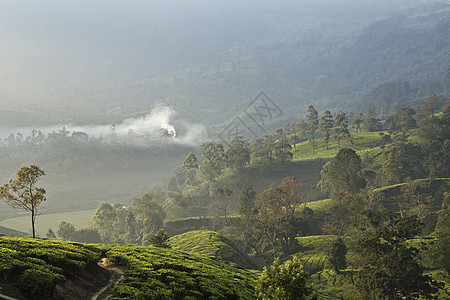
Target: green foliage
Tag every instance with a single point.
(401, 160)
(66, 231)
(389, 267)
(287, 281)
(443, 235)
(39, 283)
(341, 131)
(313, 123)
(38, 265)
(159, 239)
(238, 154)
(158, 273)
(213, 160)
(190, 167)
(211, 244)
(326, 125)
(279, 221)
(337, 255)
(343, 173)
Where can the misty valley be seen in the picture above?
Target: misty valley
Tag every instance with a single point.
(225, 149)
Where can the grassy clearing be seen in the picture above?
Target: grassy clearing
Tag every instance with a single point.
(79, 219)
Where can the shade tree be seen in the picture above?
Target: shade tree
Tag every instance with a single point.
(22, 192)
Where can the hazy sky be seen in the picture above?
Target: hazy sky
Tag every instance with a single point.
(51, 50)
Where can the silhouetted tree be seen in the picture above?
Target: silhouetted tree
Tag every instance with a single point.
(22, 192)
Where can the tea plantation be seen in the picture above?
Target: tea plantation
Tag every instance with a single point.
(33, 268)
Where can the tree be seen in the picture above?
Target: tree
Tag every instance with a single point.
(282, 150)
(341, 128)
(430, 107)
(287, 281)
(262, 150)
(389, 266)
(400, 161)
(313, 123)
(160, 239)
(337, 255)
(238, 155)
(279, 220)
(51, 234)
(405, 119)
(22, 192)
(213, 160)
(104, 221)
(149, 212)
(370, 122)
(66, 231)
(245, 230)
(358, 120)
(443, 235)
(434, 133)
(326, 125)
(343, 173)
(190, 167)
(222, 200)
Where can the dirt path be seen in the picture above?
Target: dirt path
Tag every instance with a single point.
(117, 276)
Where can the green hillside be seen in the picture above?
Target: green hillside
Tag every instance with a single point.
(155, 273)
(32, 268)
(211, 244)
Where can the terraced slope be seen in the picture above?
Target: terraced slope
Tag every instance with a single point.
(33, 268)
(211, 244)
(156, 273)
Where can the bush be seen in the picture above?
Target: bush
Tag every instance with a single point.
(34, 282)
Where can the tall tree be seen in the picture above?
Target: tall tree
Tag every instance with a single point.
(313, 123)
(434, 133)
(405, 120)
(326, 125)
(245, 230)
(400, 161)
(358, 120)
(104, 221)
(341, 131)
(389, 266)
(190, 167)
(213, 160)
(282, 150)
(66, 231)
(443, 235)
(370, 122)
(238, 155)
(343, 173)
(430, 107)
(279, 218)
(22, 192)
(337, 255)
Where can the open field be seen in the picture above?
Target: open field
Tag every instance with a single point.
(79, 219)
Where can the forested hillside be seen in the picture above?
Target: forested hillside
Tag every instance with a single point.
(225, 150)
